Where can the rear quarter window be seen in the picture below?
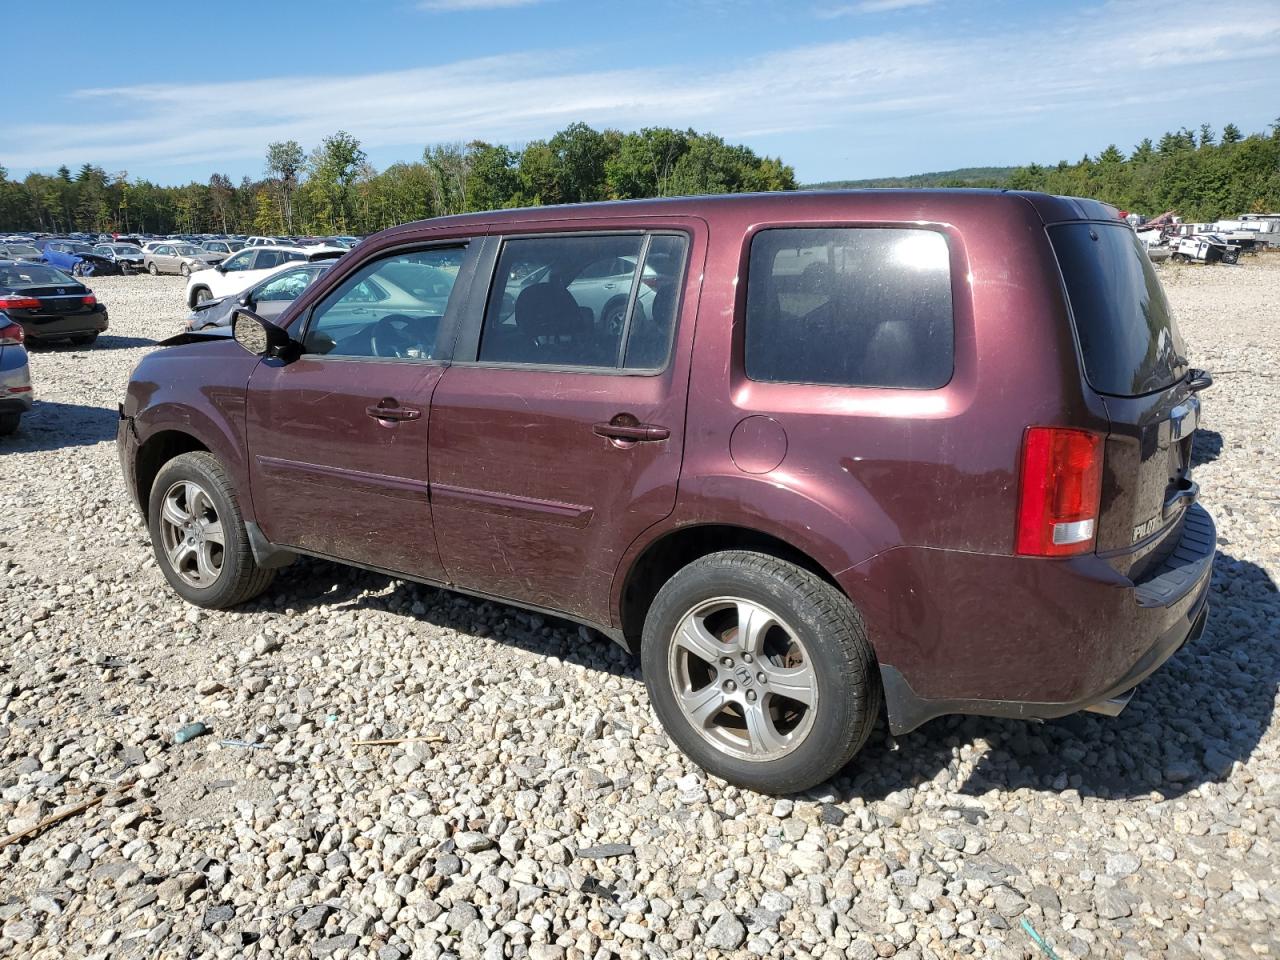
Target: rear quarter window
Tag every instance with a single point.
(1128, 339)
(867, 307)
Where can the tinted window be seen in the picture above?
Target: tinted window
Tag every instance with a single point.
(851, 307)
(1128, 339)
(390, 308)
(649, 334)
(575, 301)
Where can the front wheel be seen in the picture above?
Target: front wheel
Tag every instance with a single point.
(85, 339)
(201, 295)
(760, 671)
(185, 270)
(199, 536)
(151, 269)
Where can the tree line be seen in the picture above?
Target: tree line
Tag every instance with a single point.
(1201, 175)
(335, 190)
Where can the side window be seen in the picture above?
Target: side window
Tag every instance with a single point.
(389, 308)
(237, 263)
(850, 307)
(583, 301)
(267, 259)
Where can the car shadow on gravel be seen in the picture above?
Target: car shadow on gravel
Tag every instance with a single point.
(309, 582)
(105, 341)
(1203, 711)
(1206, 446)
(51, 425)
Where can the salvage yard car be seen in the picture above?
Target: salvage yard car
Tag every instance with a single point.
(15, 376)
(246, 267)
(48, 304)
(928, 452)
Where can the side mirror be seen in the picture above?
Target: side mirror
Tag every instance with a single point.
(219, 267)
(261, 337)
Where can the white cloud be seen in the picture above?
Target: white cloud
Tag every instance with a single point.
(1031, 79)
(872, 6)
(454, 6)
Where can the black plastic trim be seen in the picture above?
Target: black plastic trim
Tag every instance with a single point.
(1186, 564)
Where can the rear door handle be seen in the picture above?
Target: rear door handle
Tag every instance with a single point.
(627, 431)
(390, 410)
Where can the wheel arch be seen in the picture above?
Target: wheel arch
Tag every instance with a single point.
(675, 548)
(157, 450)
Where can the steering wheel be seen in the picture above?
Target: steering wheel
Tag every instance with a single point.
(387, 341)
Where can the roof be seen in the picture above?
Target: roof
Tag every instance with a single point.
(1050, 208)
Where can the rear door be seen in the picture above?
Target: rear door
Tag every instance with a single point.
(338, 455)
(1135, 360)
(556, 439)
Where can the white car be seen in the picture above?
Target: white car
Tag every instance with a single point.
(247, 267)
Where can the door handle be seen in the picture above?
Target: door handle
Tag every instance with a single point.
(390, 410)
(638, 432)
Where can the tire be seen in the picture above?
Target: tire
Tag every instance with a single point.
(184, 270)
(812, 622)
(85, 339)
(151, 269)
(1231, 256)
(200, 295)
(9, 423)
(612, 317)
(238, 578)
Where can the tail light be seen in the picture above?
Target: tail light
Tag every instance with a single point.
(89, 300)
(1060, 489)
(11, 335)
(15, 301)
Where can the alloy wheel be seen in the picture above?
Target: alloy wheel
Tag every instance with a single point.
(191, 533)
(743, 678)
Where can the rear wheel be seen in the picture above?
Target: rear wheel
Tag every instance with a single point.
(760, 671)
(9, 423)
(199, 536)
(84, 339)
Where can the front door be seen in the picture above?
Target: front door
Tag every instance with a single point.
(557, 433)
(338, 438)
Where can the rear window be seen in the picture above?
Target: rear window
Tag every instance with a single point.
(1128, 339)
(864, 307)
(32, 275)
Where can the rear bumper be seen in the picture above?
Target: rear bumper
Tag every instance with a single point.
(16, 395)
(59, 326)
(1036, 639)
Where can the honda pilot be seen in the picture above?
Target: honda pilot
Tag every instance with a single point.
(816, 458)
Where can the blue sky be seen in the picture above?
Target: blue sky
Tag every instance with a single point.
(838, 88)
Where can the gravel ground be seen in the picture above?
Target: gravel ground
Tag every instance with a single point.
(542, 812)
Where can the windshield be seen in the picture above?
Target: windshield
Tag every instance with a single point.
(1129, 341)
(22, 250)
(18, 275)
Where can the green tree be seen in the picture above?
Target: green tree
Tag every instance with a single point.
(284, 163)
(1231, 134)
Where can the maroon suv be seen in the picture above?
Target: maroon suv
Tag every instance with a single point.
(806, 453)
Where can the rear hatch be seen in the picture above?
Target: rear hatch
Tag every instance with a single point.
(1135, 360)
